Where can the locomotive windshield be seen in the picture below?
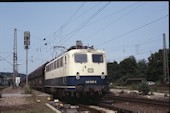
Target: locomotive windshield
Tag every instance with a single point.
(80, 58)
(97, 58)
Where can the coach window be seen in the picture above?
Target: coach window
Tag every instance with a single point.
(97, 58)
(54, 64)
(51, 68)
(80, 58)
(47, 69)
(58, 63)
(65, 60)
(61, 62)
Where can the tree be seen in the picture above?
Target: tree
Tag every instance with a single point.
(142, 68)
(113, 71)
(155, 66)
(128, 66)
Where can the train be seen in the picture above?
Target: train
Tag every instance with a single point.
(80, 70)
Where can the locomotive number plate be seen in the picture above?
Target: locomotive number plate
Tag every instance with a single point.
(91, 81)
(90, 70)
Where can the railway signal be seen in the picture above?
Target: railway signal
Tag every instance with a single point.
(26, 44)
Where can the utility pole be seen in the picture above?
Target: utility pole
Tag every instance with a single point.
(15, 57)
(165, 61)
(26, 44)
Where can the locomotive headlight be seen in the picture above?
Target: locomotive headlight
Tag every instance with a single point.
(102, 77)
(89, 50)
(77, 77)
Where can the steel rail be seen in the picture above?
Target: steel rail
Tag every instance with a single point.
(92, 110)
(140, 100)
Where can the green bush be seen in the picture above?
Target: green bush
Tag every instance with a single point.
(27, 89)
(133, 86)
(144, 88)
(166, 95)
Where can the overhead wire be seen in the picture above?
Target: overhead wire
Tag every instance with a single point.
(37, 43)
(72, 16)
(6, 60)
(66, 24)
(68, 21)
(141, 51)
(133, 30)
(144, 52)
(142, 43)
(119, 18)
(81, 28)
(34, 45)
(114, 13)
(87, 11)
(71, 34)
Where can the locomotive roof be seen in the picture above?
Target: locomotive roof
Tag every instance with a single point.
(77, 47)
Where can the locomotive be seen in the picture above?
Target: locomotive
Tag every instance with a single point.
(81, 70)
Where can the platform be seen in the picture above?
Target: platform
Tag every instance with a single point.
(17, 96)
(9, 91)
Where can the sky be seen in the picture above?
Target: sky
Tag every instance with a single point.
(121, 29)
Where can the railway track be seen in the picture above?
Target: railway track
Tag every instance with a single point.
(118, 109)
(139, 100)
(119, 104)
(129, 104)
(80, 108)
(88, 108)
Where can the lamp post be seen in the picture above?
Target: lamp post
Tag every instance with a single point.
(26, 44)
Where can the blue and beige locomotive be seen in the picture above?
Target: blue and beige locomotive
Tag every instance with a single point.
(81, 70)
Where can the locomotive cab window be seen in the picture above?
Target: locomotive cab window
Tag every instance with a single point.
(97, 58)
(80, 58)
